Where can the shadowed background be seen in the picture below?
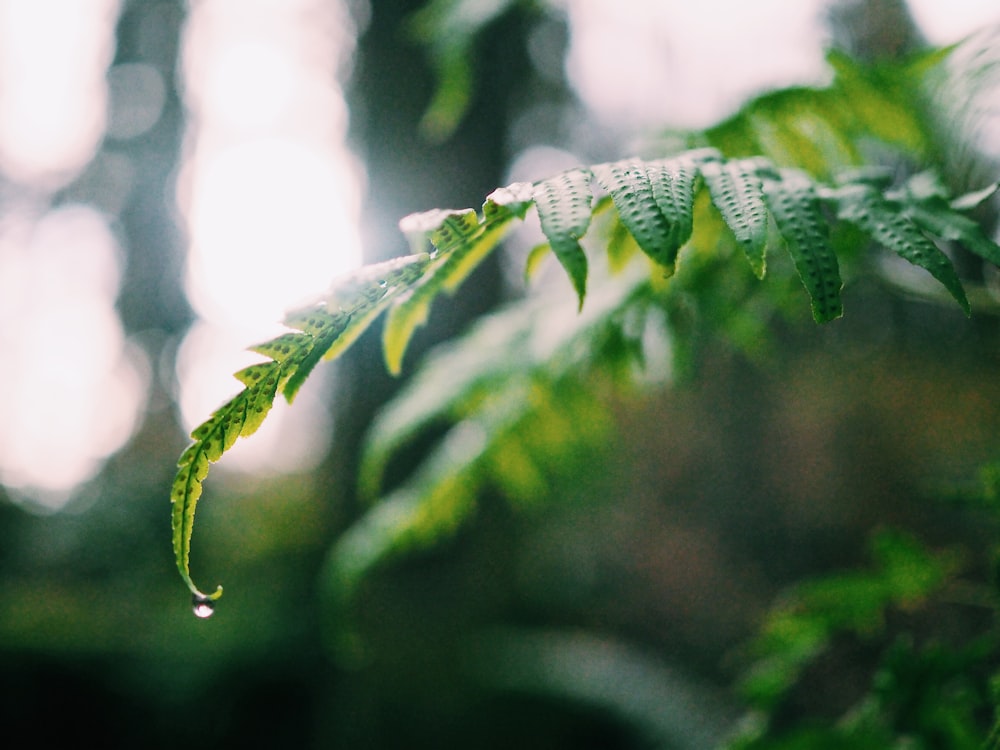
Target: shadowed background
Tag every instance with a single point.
(174, 176)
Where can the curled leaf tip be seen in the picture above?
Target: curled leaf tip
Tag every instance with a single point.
(214, 596)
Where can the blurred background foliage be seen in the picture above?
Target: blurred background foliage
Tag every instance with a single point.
(653, 595)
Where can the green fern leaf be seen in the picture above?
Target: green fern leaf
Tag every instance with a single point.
(564, 211)
(673, 182)
(187, 488)
(535, 352)
(512, 201)
(242, 415)
(795, 207)
(736, 191)
(325, 330)
(450, 229)
(280, 348)
(461, 241)
(631, 189)
(886, 223)
(440, 229)
(261, 382)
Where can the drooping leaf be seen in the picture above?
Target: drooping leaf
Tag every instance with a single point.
(673, 182)
(564, 211)
(187, 488)
(795, 207)
(736, 191)
(638, 208)
(242, 415)
(323, 330)
(886, 223)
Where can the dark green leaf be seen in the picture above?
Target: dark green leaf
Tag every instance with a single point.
(886, 223)
(736, 191)
(795, 208)
(632, 192)
(564, 211)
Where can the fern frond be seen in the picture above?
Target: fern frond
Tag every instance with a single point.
(445, 231)
(461, 241)
(925, 203)
(529, 360)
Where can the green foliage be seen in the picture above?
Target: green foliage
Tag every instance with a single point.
(736, 191)
(930, 692)
(655, 204)
(656, 252)
(796, 632)
(449, 29)
(641, 241)
(863, 206)
(821, 130)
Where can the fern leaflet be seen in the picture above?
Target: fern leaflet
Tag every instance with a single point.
(793, 203)
(673, 182)
(564, 211)
(885, 223)
(736, 191)
(632, 192)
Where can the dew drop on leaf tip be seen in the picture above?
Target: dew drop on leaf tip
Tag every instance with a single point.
(202, 606)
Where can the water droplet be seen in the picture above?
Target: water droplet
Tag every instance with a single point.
(203, 606)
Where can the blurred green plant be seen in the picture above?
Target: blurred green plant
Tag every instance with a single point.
(919, 687)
